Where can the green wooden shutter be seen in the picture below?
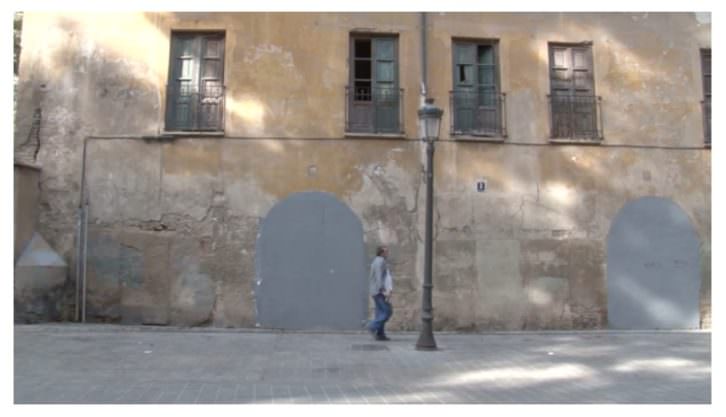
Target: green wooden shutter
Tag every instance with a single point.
(465, 95)
(183, 84)
(487, 122)
(706, 70)
(211, 87)
(172, 88)
(385, 85)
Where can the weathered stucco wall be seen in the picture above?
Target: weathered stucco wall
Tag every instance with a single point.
(535, 241)
(174, 223)
(646, 67)
(187, 230)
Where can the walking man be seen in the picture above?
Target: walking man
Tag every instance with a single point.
(381, 287)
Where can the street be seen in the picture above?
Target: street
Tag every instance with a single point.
(93, 363)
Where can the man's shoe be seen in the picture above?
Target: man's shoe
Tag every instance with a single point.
(382, 338)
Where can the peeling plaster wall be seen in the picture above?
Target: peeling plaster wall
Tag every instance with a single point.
(214, 194)
(174, 223)
(539, 231)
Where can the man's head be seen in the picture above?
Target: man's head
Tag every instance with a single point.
(382, 251)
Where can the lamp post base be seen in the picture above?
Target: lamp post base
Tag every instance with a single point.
(426, 338)
(426, 348)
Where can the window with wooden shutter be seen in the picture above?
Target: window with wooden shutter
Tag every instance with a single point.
(195, 93)
(373, 96)
(706, 71)
(573, 103)
(476, 100)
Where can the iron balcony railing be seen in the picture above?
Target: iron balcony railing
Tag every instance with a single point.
(575, 117)
(377, 110)
(478, 113)
(706, 104)
(193, 109)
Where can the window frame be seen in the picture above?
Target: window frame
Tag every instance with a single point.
(596, 135)
(374, 127)
(500, 131)
(199, 78)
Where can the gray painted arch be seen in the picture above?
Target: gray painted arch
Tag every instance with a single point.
(311, 265)
(653, 267)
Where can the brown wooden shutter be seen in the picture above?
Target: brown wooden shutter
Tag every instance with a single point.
(560, 70)
(584, 91)
(573, 103)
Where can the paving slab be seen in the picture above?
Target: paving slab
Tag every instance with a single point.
(113, 364)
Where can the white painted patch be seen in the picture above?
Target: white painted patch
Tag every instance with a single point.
(260, 51)
(703, 18)
(538, 297)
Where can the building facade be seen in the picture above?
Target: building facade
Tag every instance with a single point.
(239, 169)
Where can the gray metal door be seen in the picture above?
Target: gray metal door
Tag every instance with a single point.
(653, 267)
(311, 265)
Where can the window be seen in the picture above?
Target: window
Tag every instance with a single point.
(373, 98)
(475, 99)
(706, 71)
(195, 93)
(573, 103)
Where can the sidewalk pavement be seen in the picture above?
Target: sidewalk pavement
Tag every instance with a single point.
(72, 363)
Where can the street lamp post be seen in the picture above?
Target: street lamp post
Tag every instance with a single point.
(430, 122)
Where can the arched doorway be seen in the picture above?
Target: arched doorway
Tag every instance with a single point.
(311, 265)
(653, 267)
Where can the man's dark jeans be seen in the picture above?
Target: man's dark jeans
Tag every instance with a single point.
(384, 311)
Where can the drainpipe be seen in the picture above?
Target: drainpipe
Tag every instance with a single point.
(85, 257)
(79, 256)
(424, 61)
(82, 230)
(80, 241)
